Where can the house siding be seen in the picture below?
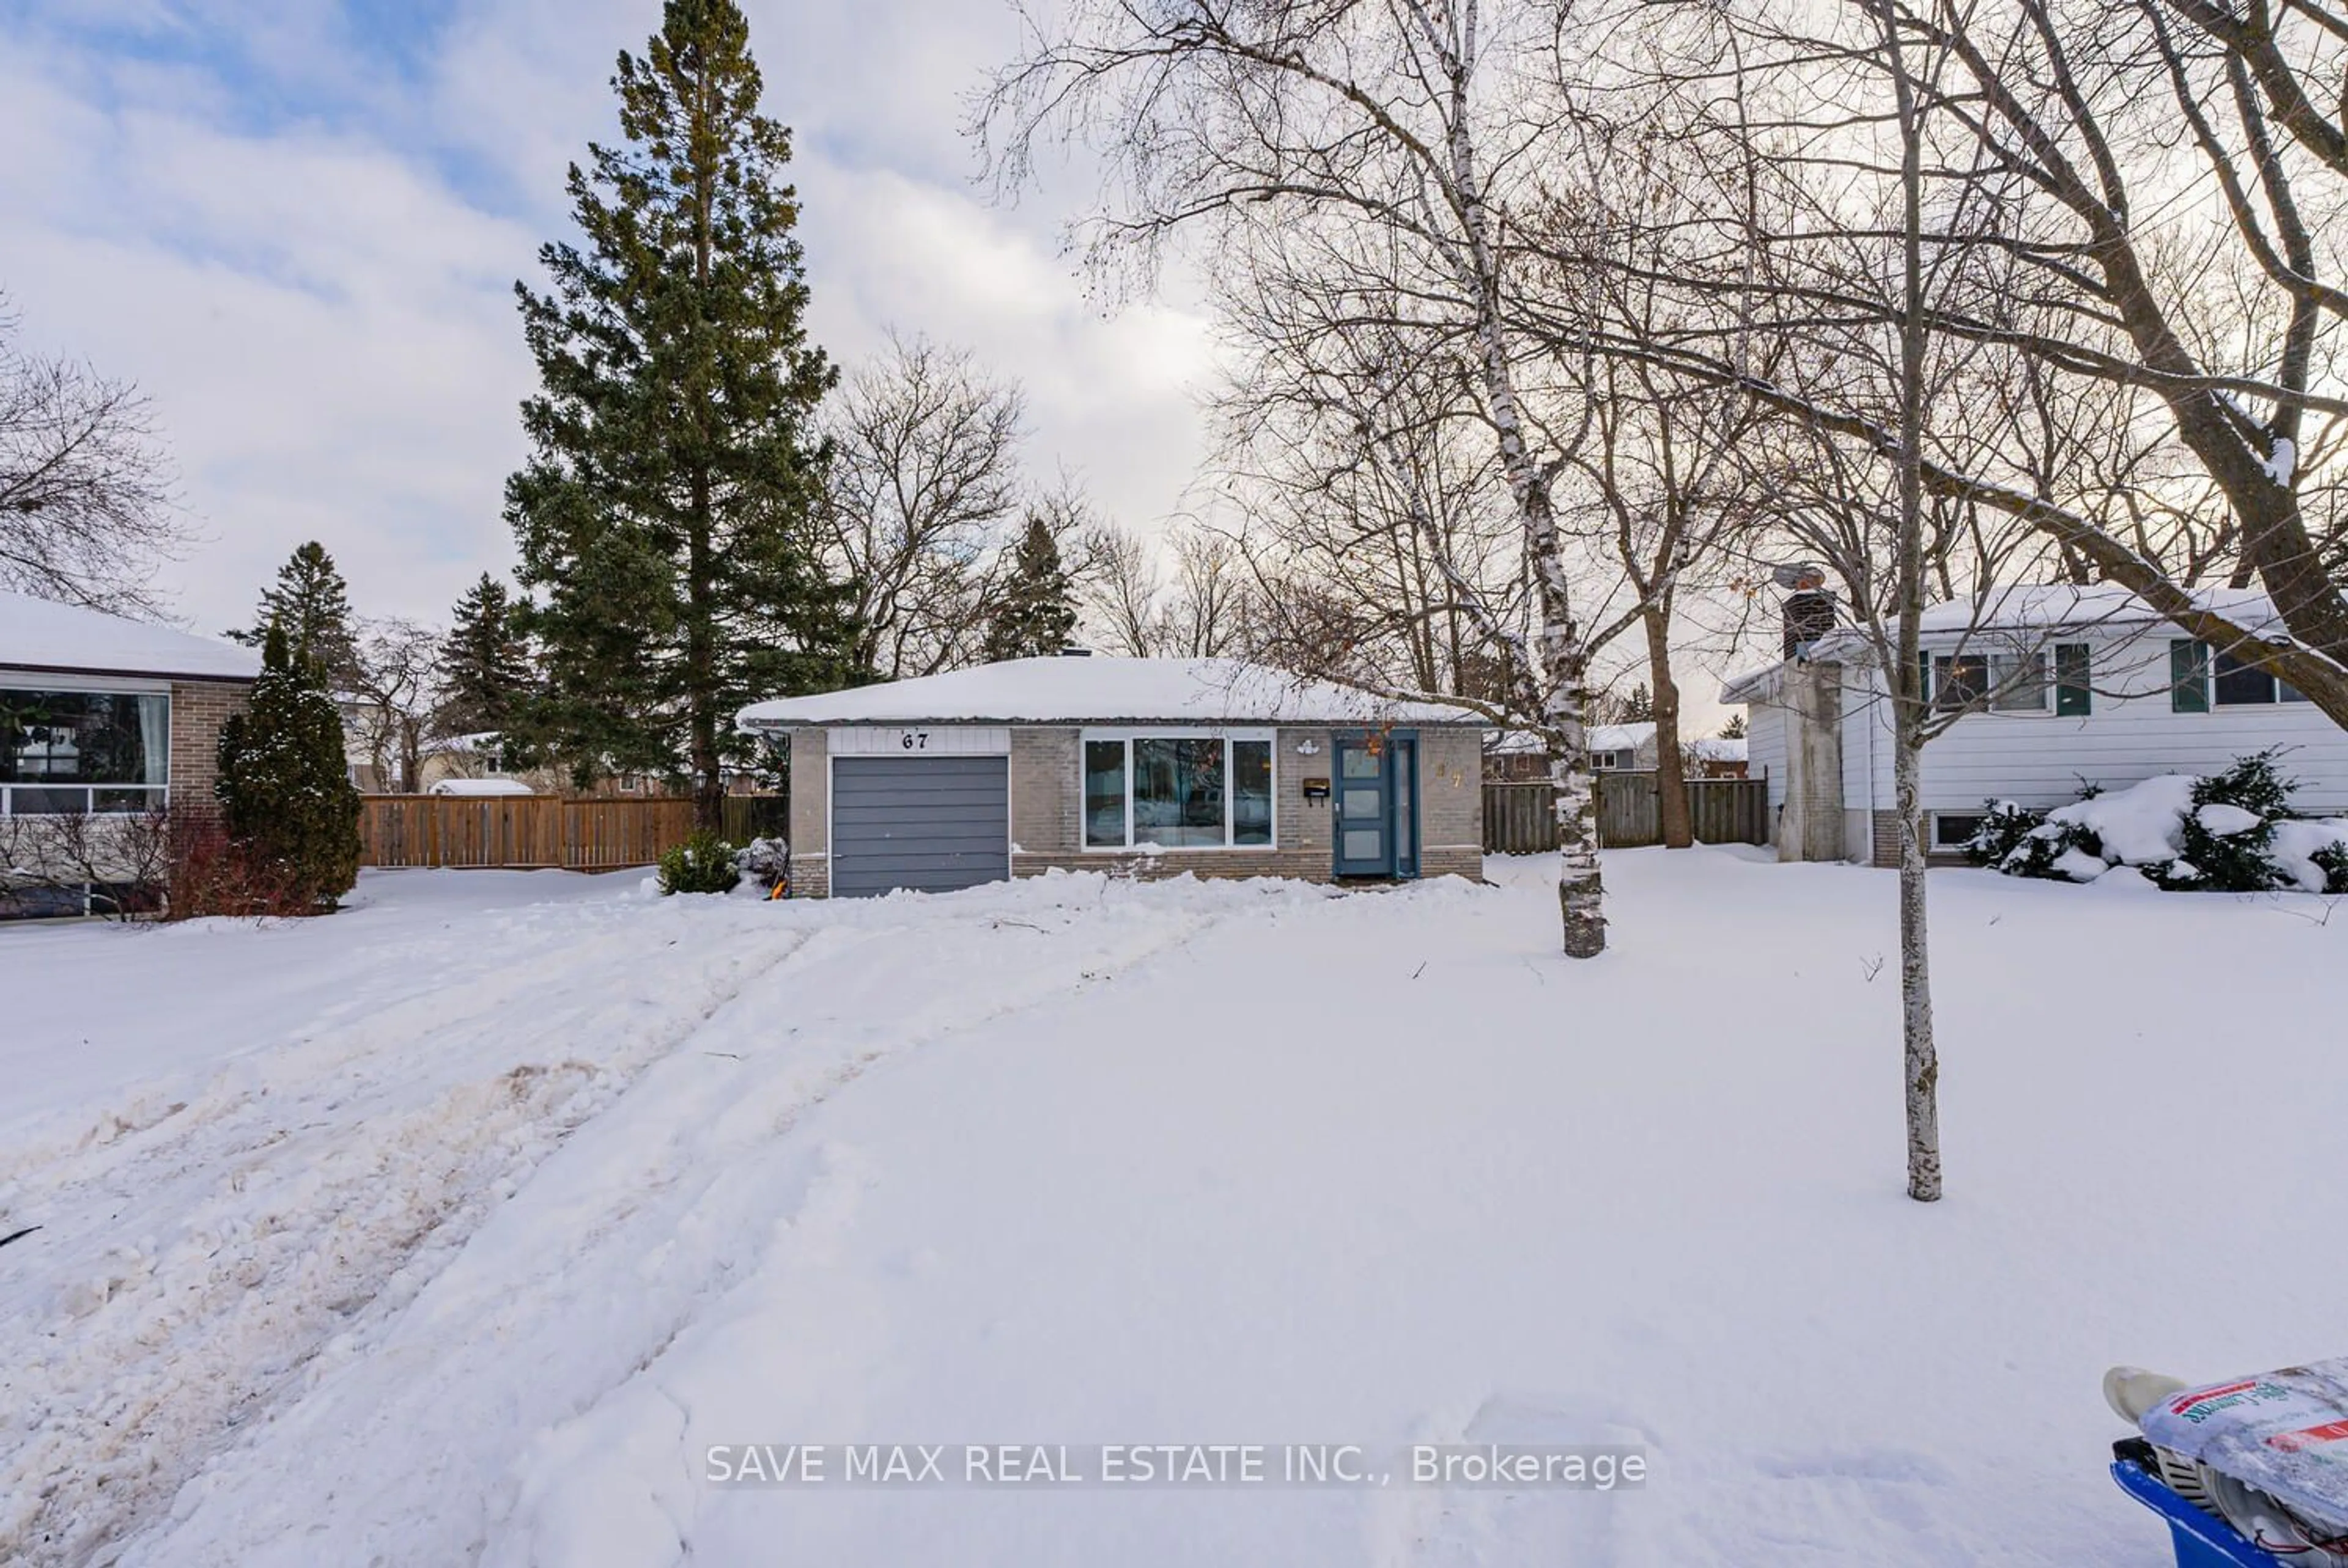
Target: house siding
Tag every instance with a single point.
(2133, 734)
(1765, 753)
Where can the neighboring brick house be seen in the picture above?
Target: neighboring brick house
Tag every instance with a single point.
(103, 721)
(1151, 768)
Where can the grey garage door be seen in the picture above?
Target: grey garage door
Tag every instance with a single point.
(932, 823)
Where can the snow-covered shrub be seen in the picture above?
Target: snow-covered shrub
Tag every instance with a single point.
(764, 863)
(2225, 837)
(2132, 826)
(2231, 831)
(702, 863)
(2020, 841)
(2004, 828)
(2311, 856)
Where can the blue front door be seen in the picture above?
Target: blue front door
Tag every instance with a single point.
(1377, 816)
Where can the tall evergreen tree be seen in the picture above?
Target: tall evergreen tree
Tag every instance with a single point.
(313, 604)
(284, 787)
(1037, 610)
(485, 670)
(666, 506)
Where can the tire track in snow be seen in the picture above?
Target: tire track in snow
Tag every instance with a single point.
(616, 1462)
(285, 1215)
(574, 1291)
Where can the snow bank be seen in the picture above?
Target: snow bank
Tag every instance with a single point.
(2297, 844)
(2136, 826)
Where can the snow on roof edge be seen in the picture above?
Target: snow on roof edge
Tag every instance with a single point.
(41, 636)
(1100, 689)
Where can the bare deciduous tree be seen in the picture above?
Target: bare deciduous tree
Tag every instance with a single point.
(394, 672)
(925, 473)
(1395, 130)
(85, 507)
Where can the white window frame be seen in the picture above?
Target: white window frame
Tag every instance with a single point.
(1997, 668)
(158, 796)
(1085, 737)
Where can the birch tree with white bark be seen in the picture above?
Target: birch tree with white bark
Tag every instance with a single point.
(1400, 131)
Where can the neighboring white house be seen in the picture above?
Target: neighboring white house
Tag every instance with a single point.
(2057, 686)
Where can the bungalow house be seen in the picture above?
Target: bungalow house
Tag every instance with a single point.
(2050, 688)
(1145, 766)
(100, 718)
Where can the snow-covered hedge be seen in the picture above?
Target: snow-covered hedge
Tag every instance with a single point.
(2228, 832)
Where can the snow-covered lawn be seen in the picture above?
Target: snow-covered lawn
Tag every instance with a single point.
(459, 1226)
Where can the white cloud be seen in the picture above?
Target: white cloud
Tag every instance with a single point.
(322, 309)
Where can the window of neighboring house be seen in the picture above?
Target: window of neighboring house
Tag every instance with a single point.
(2242, 686)
(65, 753)
(1952, 830)
(2074, 688)
(2017, 683)
(2200, 679)
(1177, 790)
(2188, 676)
(1960, 682)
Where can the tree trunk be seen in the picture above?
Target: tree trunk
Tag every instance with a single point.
(701, 667)
(1580, 890)
(1910, 715)
(1923, 1075)
(1671, 771)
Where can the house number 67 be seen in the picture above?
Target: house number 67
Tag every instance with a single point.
(915, 740)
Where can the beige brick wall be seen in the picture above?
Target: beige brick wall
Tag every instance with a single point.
(198, 709)
(1046, 794)
(810, 816)
(1451, 803)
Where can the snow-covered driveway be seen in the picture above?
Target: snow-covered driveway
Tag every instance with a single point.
(457, 1227)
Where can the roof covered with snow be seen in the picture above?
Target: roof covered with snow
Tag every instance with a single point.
(479, 787)
(43, 635)
(2038, 609)
(2067, 607)
(1619, 738)
(1100, 689)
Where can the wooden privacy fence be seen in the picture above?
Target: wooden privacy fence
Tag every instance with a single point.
(534, 832)
(1521, 818)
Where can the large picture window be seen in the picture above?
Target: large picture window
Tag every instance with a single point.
(72, 752)
(1178, 791)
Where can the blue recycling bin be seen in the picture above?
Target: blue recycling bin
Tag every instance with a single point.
(2201, 1540)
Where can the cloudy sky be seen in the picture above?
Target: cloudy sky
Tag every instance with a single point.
(297, 224)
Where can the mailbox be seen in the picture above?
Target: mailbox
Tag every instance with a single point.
(1316, 789)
